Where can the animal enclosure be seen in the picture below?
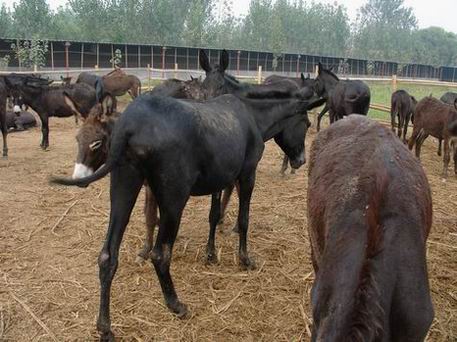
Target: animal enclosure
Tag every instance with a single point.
(51, 237)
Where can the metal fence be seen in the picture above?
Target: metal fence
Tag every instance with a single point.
(74, 56)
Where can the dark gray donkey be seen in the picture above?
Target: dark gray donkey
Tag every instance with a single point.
(343, 97)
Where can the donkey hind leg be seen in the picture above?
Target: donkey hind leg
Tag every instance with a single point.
(412, 314)
(393, 115)
(440, 144)
(419, 141)
(412, 140)
(405, 127)
(246, 188)
(4, 132)
(401, 122)
(285, 164)
(227, 194)
(214, 216)
(126, 183)
(171, 205)
(152, 219)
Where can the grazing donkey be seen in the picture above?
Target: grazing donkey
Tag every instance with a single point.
(403, 106)
(433, 117)
(185, 148)
(369, 216)
(343, 97)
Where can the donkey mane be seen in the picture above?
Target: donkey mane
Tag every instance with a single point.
(367, 317)
(330, 73)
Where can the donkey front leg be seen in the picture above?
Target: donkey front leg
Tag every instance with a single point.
(214, 216)
(126, 183)
(44, 131)
(4, 132)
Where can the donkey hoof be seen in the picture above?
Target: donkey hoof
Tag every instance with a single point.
(247, 264)
(236, 229)
(180, 310)
(107, 337)
(211, 259)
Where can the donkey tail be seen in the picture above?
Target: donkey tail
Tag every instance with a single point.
(84, 182)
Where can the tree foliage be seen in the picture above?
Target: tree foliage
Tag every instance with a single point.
(383, 30)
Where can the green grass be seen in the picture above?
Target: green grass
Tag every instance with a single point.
(381, 92)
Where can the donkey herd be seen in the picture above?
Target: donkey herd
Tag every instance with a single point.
(369, 201)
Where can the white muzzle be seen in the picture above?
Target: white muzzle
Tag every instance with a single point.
(16, 109)
(81, 171)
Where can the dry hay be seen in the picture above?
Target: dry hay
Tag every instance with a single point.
(50, 238)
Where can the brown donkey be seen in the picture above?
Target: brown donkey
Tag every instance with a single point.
(433, 117)
(117, 83)
(369, 216)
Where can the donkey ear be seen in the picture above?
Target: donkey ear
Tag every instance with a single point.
(224, 60)
(302, 76)
(319, 68)
(204, 61)
(191, 78)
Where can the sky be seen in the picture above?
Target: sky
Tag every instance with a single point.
(429, 13)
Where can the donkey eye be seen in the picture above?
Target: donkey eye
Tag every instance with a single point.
(96, 144)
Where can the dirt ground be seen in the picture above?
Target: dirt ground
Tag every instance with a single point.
(50, 237)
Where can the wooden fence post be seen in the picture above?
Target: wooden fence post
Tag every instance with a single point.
(175, 75)
(163, 61)
(394, 83)
(149, 77)
(259, 75)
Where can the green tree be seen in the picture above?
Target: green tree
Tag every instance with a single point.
(435, 46)
(32, 17)
(384, 30)
(199, 22)
(6, 23)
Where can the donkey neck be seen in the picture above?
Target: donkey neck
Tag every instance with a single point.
(271, 115)
(330, 81)
(35, 101)
(233, 86)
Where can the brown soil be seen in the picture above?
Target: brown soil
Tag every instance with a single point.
(50, 237)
